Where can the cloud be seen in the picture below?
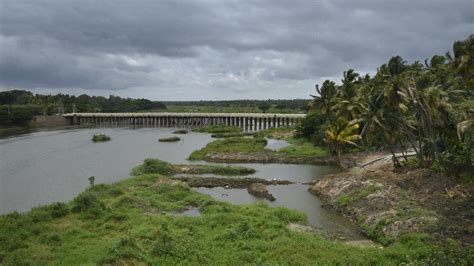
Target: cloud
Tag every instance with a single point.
(214, 49)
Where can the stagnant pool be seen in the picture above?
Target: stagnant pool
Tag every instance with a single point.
(49, 166)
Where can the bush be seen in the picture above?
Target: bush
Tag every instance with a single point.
(153, 166)
(87, 202)
(100, 138)
(59, 210)
(312, 127)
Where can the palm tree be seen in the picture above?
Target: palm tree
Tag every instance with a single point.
(340, 134)
(324, 100)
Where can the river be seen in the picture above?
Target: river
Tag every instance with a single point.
(49, 166)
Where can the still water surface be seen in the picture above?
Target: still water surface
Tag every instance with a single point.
(49, 166)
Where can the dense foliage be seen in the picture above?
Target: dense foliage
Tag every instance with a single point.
(19, 105)
(428, 108)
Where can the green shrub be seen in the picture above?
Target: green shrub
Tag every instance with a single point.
(100, 138)
(88, 203)
(153, 166)
(125, 248)
(59, 210)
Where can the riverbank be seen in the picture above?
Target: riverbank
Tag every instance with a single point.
(389, 203)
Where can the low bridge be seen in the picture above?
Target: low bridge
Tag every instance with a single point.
(247, 121)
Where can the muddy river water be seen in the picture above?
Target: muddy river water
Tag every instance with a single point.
(48, 166)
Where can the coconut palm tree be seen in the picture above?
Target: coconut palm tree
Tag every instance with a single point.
(340, 134)
(324, 100)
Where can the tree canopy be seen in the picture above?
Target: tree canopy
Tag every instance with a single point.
(421, 107)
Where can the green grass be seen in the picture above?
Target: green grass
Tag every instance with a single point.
(169, 139)
(304, 148)
(220, 169)
(228, 145)
(181, 131)
(347, 199)
(299, 146)
(218, 129)
(100, 138)
(268, 133)
(131, 221)
(153, 166)
(157, 166)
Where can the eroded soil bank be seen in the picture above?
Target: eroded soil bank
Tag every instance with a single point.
(388, 203)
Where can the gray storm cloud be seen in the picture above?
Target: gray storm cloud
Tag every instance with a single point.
(191, 50)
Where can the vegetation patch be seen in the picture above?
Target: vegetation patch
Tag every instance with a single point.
(229, 145)
(157, 166)
(355, 196)
(133, 227)
(169, 139)
(230, 135)
(181, 131)
(100, 138)
(153, 166)
(214, 169)
(304, 148)
(218, 129)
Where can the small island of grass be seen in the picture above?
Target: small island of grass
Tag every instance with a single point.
(157, 166)
(100, 138)
(181, 131)
(170, 139)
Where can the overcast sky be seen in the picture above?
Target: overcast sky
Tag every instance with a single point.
(193, 50)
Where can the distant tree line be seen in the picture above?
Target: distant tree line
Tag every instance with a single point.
(296, 104)
(17, 106)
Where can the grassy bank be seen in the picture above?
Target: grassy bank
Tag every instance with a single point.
(6, 131)
(229, 145)
(303, 148)
(214, 169)
(132, 221)
(235, 142)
